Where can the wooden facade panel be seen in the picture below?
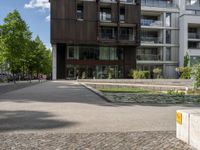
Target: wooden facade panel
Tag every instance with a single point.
(132, 14)
(57, 28)
(90, 11)
(114, 12)
(65, 28)
(70, 9)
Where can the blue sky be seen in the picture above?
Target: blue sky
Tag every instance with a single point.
(34, 12)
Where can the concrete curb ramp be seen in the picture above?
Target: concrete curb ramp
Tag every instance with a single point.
(188, 127)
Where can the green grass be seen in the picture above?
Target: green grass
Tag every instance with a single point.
(127, 90)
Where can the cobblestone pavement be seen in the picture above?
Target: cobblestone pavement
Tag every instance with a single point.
(93, 141)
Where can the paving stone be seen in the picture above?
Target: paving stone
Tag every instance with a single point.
(93, 141)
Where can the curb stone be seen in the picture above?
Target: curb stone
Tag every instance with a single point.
(100, 94)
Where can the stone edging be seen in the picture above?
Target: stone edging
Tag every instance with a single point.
(100, 94)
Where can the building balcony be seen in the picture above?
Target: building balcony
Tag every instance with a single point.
(108, 37)
(158, 3)
(149, 57)
(148, 22)
(126, 37)
(193, 36)
(121, 1)
(150, 40)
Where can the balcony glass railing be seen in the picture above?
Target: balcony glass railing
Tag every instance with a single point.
(149, 57)
(107, 36)
(121, 1)
(148, 22)
(193, 36)
(158, 3)
(151, 40)
(108, 1)
(128, 37)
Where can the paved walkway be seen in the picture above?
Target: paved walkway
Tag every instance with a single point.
(65, 107)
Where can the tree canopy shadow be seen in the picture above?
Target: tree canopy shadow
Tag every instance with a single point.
(30, 120)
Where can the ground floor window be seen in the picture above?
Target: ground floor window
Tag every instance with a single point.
(149, 67)
(94, 53)
(97, 72)
(194, 60)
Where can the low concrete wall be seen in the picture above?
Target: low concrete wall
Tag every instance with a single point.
(188, 127)
(178, 82)
(146, 86)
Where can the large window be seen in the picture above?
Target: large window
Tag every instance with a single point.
(194, 60)
(105, 14)
(149, 54)
(94, 53)
(192, 2)
(168, 53)
(168, 19)
(79, 12)
(122, 14)
(168, 36)
(108, 33)
(127, 34)
(72, 52)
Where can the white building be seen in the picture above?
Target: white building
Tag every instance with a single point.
(169, 30)
(159, 37)
(189, 31)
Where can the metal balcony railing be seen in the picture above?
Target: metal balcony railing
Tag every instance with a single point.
(151, 40)
(158, 3)
(148, 22)
(128, 37)
(193, 36)
(149, 57)
(107, 36)
(121, 1)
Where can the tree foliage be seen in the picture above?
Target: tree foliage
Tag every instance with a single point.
(196, 75)
(24, 55)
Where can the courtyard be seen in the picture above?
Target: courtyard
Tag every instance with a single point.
(67, 115)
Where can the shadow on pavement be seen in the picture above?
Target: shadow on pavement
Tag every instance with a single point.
(29, 120)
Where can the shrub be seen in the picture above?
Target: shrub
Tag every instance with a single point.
(186, 60)
(184, 72)
(83, 75)
(110, 73)
(196, 75)
(135, 74)
(157, 72)
(175, 92)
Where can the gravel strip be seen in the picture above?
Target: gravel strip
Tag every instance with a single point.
(152, 98)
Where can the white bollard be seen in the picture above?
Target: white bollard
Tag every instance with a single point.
(188, 127)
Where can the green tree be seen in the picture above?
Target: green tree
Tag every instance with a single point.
(43, 58)
(196, 75)
(186, 60)
(15, 37)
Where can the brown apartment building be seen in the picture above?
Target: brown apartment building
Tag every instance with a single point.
(94, 38)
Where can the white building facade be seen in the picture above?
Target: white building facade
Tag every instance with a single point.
(169, 30)
(189, 31)
(159, 37)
